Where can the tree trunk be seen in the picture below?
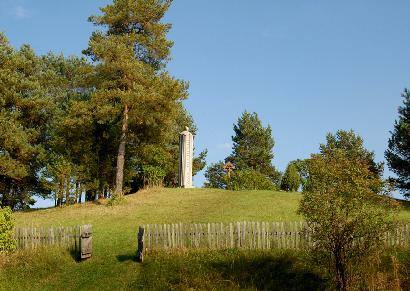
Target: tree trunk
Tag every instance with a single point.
(341, 278)
(79, 192)
(60, 194)
(121, 155)
(67, 191)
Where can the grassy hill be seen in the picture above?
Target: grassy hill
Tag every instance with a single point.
(114, 242)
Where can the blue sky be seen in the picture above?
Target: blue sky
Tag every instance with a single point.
(306, 67)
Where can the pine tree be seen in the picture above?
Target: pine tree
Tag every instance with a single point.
(398, 152)
(253, 146)
(26, 109)
(133, 91)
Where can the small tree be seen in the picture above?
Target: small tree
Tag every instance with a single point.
(346, 213)
(215, 176)
(398, 153)
(7, 241)
(253, 145)
(291, 179)
(251, 157)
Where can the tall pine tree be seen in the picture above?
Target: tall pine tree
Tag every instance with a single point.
(398, 152)
(134, 93)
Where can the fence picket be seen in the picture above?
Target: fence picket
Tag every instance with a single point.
(35, 237)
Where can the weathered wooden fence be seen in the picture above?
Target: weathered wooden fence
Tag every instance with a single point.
(242, 235)
(34, 237)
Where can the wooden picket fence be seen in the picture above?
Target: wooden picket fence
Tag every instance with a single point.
(241, 235)
(34, 237)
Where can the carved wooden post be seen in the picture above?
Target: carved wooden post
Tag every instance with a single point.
(86, 242)
(140, 250)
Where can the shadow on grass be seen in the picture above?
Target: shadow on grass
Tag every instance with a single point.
(283, 272)
(75, 254)
(127, 257)
(230, 269)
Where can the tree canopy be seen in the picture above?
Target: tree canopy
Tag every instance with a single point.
(398, 152)
(103, 124)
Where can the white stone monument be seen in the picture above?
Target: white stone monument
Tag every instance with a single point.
(186, 150)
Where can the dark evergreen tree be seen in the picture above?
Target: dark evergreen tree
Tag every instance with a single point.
(398, 152)
(253, 146)
(134, 93)
(251, 158)
(26, 109)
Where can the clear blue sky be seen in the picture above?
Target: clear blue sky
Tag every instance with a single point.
(306, 67)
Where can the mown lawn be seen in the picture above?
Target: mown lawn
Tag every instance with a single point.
(113, 263)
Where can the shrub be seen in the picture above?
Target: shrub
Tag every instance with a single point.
(7, 241)
(291, 179)
(214, 175)
(248, 180)
(153, 176)
(347, 215)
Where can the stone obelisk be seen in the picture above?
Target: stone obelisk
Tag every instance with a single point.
(186, 149)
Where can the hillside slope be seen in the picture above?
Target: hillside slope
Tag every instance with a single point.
(173, 205)
(114, 234)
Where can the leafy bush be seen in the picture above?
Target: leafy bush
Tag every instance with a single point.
(291, 179)
(348, 214)
(214, 175)
(7, 241)
(248, 180)
(153, 176)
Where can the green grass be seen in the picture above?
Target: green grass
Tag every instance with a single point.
(114, 244)
(173, 205)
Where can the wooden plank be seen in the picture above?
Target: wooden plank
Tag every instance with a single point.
(244, 234)
(263, 235)
(238, 232)
(259, 235)
(231, 238)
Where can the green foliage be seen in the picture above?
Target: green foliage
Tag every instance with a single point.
(218, 177)
(252, 145)
(153, 176)
(248, 180)
(7, 242)
(398, 152)
(291, 179)
(215, 176)
(352, 145)
(302, 168)
(26, 108)
(347, 211)
(251, 158)
(65, 122)
(134, 93)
